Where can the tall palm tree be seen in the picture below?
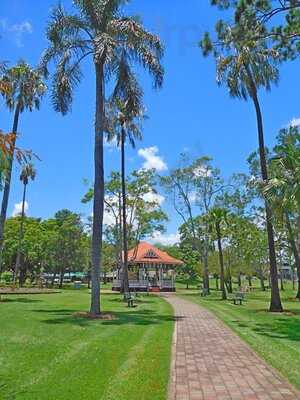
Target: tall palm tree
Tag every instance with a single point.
(283, 189)
(216, 217)
(28, 172)
(26, 88)
(101, 31)
(245, 66)
(125, 117)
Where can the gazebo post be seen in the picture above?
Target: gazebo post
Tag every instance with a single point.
(161, 280)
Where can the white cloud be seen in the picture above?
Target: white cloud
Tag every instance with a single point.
(165, 239)
(108, 218)
(152, 197)
(152, 160)
(294, 122)
(18, 208)
(193, 197)
(202, 171)
(16, 31)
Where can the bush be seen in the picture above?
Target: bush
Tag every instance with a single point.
(7, 277)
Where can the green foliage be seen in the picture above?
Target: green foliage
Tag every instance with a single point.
(144, 213)
(96, 29)
(54, 245)
(26, 87)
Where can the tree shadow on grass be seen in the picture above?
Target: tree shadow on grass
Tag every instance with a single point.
(58, 311)
(20, 300)
(134, 317)
(286, 328)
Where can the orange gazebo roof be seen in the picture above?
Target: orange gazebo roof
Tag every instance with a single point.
(145, 253)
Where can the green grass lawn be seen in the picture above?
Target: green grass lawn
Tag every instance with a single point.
(276, 337)
(47, 353)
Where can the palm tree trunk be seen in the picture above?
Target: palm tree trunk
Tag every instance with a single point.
(125, 280)
(120, 246)
(21, 234)
(6, 190)
(275, 304)
(98, 205)
(221, 260)
(294, 249)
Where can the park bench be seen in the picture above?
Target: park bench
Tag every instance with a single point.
(130, 298)
(204, 292)
(238, 298)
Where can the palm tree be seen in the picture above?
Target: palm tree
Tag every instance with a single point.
(216, 217)
(98, 30)
(26, 89)
(28, 172)
(245, 66)
(125, 118)
(283, 189)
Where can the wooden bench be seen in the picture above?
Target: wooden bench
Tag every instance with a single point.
(130, 298)
(238, 298)
(204, 292)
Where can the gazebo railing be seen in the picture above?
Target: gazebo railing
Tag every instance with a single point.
(137, 284)
(166, 284)
(133, 284)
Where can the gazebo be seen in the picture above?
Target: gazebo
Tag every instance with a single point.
(150, 269)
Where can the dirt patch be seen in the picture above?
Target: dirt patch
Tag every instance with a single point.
(104, 315)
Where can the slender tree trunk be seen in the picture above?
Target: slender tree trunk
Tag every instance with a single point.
(6, 190)
(262, 283)
(281, 281)
(98, 205)
(275, 304)
(295, 251)
(221, 260)
(206, 269)
(21, 234)
(61, 278)
(239, 280)
(229, 284)
(23, 271)
(53, 279)
(120, 239)
(125, 280)
(250, 280)
(217, 282)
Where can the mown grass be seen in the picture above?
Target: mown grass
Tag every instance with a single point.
(48, 353)
(276, 337)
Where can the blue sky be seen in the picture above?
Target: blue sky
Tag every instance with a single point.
(189, 112)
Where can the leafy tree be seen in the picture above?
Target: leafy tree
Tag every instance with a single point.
(26, 88)
(99, 30)
(144, 215)
(191, 268)
(246, 66)
(180, 186)
(31, 254)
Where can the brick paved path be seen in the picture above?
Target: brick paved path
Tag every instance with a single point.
(210, 362)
